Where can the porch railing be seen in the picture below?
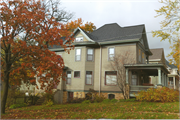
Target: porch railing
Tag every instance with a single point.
(139, 88)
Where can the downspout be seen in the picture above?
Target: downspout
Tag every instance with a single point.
(100, 62)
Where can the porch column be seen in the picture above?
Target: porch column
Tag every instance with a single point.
(174, 82)
(165, 80)
(159, 76)
(126, 75)
(162, 78)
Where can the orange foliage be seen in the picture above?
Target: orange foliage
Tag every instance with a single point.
(88, 26)
(26, 33)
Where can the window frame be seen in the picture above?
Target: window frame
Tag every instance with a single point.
(111, 54)
(77, 55)
(79, 38)
(140, 56)
(89, 54)
(68, 78)
(105, 83)
(79, 74)
(134, 78)
(91, 78)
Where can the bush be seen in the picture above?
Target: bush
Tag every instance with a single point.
(49, 103)
(163, 94)
(76, 100)
(86, 102)
(18, 105)
(114, 100)
(106, 101)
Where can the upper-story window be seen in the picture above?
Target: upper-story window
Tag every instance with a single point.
(79, 39)
(78, 54)
(143, 58)
(89, 54)
(111, 53)
(139, 55)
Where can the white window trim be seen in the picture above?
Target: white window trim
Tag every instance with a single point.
(108, 52)
(79, 74)
(87, 55)
(79, 38)
(80, 54)
(91, 79)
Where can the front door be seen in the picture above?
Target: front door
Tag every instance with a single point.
(134, 80)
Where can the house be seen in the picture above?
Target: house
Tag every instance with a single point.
(173, 77)
(87, 65)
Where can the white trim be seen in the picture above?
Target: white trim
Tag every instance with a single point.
(83, 34)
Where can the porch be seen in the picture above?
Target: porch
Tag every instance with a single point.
(138, 76)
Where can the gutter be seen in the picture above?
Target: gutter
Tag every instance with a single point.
(100, 62)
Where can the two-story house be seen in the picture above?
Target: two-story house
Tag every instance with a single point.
(86, 65)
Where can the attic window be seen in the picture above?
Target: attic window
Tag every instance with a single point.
(79, 39)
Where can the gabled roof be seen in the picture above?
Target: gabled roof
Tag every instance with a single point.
(157, 53)
(170, 65)
(110, 32)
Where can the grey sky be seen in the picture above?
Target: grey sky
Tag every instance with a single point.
(123, 12)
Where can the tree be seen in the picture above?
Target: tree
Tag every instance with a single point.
(71, 26)
(118, 65)
(27, 28)
(170, 27)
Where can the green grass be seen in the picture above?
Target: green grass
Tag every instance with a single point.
(119, 110)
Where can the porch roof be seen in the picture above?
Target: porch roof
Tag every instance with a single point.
(152, 69)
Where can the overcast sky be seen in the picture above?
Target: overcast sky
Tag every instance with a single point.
(122, 12)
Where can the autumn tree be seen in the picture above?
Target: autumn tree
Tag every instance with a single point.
(170, 27)
(117, 65)
(72, 25)
(27, 27)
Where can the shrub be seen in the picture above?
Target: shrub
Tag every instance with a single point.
(76, 100)
(106, 101)
(18, 105)
(86, 102)
(49, 102)
(114, 100)
(163, 94)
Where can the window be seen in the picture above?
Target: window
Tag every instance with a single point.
(111, 96)
(134, 80)
(143, 58)
(88, 77)
(76, 74)
(111, 53)
(110, 77)
(139, 55)
(171, 81)
(89, 54)
(68, 81)
(78, 55)
(79, 39)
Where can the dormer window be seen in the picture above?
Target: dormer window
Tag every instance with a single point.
(79, 39)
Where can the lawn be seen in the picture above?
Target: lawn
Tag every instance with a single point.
(118, 110)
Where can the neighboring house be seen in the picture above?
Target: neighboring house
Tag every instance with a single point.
(87, 65)
(173, 77)
(158, 58)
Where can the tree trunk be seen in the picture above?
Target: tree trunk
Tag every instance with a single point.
(5, 91)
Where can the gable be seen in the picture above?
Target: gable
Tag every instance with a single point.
(81, 36)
